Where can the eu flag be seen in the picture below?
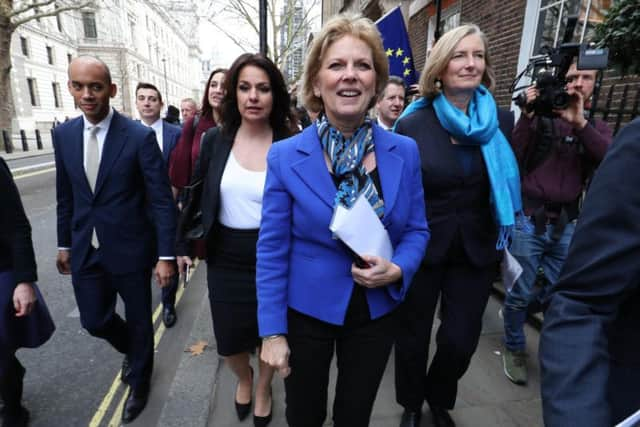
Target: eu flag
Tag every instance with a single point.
(397, 47)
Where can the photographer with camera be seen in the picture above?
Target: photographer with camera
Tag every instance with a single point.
(557, 150)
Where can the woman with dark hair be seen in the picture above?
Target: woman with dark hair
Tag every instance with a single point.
(24, 318)
(183, 157)
(232, 167)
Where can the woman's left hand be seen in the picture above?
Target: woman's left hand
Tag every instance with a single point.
(24, 298)
(380, 272)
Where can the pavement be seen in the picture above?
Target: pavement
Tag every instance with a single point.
(33, 153)
(203, 388)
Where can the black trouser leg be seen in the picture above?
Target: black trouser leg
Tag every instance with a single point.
(413, 333)
(464, 297)
(306, 387)
(11, 375)
(362, 353)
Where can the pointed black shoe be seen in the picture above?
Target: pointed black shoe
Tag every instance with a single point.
(169, 316)
(441, 417)
(410, 418)
(136, 401)
(19, 418)
(259, 421)
(243, 409)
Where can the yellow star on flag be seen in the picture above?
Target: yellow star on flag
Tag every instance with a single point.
(399, 52)
(389, 52)
(406, 60)
(406, 72)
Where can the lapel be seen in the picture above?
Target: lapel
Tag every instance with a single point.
(76, 152)
(220, 148)
(389, 166)
(312, 169)
(167, 141)
(113, 144)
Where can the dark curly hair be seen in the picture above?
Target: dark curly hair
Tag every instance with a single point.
(280, 118)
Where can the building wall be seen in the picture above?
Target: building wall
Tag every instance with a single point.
(502, 23)
(133, 40)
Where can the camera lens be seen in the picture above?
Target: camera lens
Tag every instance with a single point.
(560, 100)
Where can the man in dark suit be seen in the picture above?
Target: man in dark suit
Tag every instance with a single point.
(149, 104)
(112, 190)
(590, 341)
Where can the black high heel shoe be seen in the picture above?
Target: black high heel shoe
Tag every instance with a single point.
(243, 409)
(264, 421)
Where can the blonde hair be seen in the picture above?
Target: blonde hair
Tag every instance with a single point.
(337, 27)
(442, 53)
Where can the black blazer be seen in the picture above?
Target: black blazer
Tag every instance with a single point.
(214, 153)
(457, 204)
(16, 248)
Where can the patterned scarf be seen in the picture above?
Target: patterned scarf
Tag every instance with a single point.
(346, 156)
(480, 127)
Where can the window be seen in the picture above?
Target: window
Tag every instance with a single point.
(57, 97)
(50, 55)
(552, 20)
(24, 45)
(33, 91)
(449, 19)
(89, 23)
(58, 20)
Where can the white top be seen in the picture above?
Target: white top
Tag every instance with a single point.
(157, 127)
(101, 135)
(241, 193)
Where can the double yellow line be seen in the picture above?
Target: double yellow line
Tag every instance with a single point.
(102, 410)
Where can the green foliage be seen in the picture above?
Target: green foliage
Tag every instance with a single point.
(620, 32)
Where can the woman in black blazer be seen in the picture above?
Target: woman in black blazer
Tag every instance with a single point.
(24, 319)
(452, 122)
(232, 166)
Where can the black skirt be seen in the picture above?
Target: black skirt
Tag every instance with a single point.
(231, 279)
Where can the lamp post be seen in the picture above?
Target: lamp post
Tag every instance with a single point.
(166, 86)
(263, 26)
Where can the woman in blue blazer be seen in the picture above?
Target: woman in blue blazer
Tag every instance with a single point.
(312, 298)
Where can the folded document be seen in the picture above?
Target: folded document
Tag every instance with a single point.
(360, 228)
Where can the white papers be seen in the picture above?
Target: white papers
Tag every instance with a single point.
(511, 270)
(632, 421)
(361, 229)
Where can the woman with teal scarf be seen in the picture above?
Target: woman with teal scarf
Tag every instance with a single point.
(472, 195)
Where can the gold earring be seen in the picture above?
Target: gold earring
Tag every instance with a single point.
(438, 84)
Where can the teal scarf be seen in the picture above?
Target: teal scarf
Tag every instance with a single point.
(480, 127)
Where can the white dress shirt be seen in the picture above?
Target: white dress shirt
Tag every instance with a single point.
(101, 134)
(157, 128)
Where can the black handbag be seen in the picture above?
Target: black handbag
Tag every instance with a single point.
(190, 225)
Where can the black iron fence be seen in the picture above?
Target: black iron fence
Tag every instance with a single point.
(23, 139)
(618, 104)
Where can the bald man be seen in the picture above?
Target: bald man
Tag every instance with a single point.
(113, 196)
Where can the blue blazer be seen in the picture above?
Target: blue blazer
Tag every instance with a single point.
(132, 197)
(170, 136)
(299, 264)
(590, 340)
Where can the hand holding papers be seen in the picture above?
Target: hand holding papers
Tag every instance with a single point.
(361, 229)
(511, 270)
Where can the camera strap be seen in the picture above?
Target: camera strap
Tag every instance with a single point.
(545, 135)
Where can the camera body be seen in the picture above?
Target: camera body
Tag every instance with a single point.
(549, 70)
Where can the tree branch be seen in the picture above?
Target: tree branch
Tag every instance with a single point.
(16, 23)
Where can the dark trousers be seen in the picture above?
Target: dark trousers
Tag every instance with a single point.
(11, 375)
(96, 292)
(169, 291)
(362, 349)
(464, 291)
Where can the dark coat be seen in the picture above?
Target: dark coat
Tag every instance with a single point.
(590, 341)
(456, 202)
